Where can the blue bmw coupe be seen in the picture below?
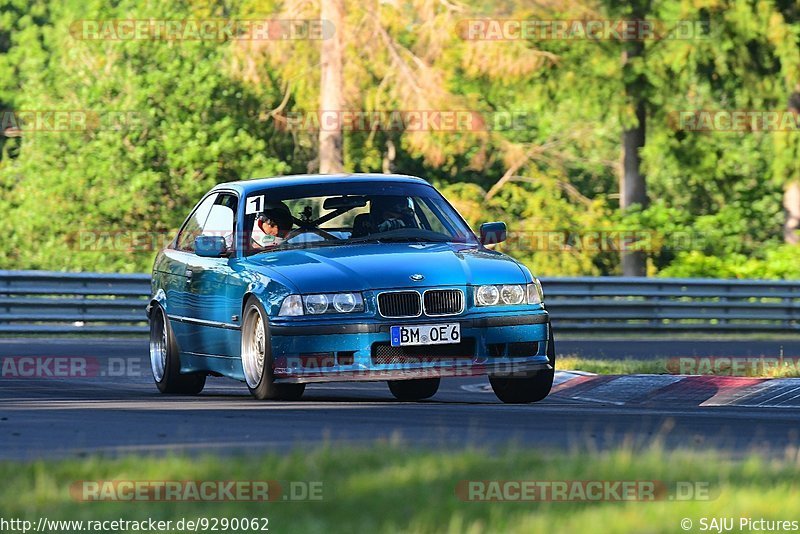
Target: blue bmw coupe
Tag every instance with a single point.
(285, 281)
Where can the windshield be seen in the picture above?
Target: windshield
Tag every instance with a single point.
(350, 213)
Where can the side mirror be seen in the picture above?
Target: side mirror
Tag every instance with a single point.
(493, 233)
(210, 246)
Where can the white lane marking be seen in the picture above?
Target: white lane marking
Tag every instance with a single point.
(477, 388)
(772, 401)
(559, 378)
(748, 397)
(782, 394)
(730, 396)
(789, 400)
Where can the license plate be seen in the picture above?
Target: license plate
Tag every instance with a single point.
(426, 334)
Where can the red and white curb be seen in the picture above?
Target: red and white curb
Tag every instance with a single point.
(561, 377)
(770, 393)
(660, 390)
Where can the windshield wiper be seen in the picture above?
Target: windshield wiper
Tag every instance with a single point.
(412, 239)
(299, 246)
(396, 239)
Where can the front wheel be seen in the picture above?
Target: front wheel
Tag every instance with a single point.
(257, 360)
(164, 361)
(414, 390)
(524, 390)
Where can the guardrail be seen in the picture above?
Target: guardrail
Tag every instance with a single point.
(38, 302)
(42, 302)
(672, 304)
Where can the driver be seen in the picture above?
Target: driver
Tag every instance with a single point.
(391, 211)
(275, 223)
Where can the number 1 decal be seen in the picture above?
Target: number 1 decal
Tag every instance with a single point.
(254, 205)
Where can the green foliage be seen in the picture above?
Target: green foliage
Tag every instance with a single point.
(775, 262)
(547, 230)
(81, 200)
(205, 112)
(770, 367)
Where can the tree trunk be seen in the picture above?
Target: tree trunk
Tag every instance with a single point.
(632, 184)
(791, 193)
(330, 139)
(388, 158)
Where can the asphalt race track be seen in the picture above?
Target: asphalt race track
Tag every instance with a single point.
(117, 409)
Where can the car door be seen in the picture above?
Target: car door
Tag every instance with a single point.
(212, 314)
(176, 259)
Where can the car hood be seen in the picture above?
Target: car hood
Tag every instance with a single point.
(387, 266)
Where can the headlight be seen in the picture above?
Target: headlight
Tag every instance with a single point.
(345, 302)
(512, 294)
(487, 296)
(316, 304)
(535, 294)
(320, 303)
(508, 294)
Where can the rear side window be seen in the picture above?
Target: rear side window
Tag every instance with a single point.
(194, 224)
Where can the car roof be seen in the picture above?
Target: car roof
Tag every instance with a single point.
(257, 184)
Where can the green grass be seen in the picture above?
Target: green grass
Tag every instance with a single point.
(683, 336)
(390, 488)
(752, 367)
(612, 367)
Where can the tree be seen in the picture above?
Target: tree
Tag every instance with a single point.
(790, 175)
(633, 186)
(330, 140)
(108, 197)
(596, 121)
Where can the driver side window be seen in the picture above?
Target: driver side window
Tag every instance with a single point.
(221, 219)
(193, 226)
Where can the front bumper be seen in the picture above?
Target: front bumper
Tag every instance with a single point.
(502, 344)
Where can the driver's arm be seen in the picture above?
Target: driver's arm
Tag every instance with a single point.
(391, 224)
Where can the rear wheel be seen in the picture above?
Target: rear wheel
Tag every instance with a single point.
(413, 390)
(164, 361)
(524, 390)
(257, 360)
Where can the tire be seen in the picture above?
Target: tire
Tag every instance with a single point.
(525, 390)
(256, 353)
(414, 390)
(164, 361)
